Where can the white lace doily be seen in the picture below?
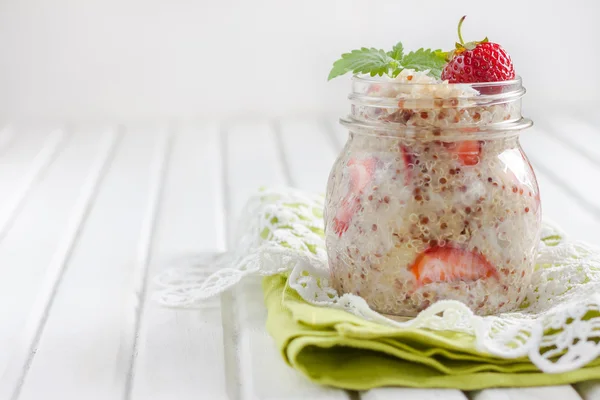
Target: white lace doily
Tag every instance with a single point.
(281, 231)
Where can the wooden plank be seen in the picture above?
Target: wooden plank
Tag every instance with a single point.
(572, 210)
(337, 132)
(256, 370)
(29, 282)
(129, 348)
(307, 153)
(252, 160)
(569, 170)
(15, 164)
(576, 133)
(310, 168)
(559, 206)
(589, 390)
(412, 394)
(88, 340)
(181, 352)
(583, 136)
(35, 171)
(537, 393)
(7, 135)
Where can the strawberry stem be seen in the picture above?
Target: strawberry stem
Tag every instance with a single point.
(459, 26)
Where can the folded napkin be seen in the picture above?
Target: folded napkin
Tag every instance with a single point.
(333, 347)
(338, 340)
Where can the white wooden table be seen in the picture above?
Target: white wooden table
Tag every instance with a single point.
(88, 214)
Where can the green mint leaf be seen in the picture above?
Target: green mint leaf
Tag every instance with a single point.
(364, 61)
(444, 55)
(423, 59)
(397, 52)
(396, 71)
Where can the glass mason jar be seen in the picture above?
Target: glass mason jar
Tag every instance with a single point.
(432, 197)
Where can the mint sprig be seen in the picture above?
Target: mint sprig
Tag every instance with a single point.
(364, 61)
(378, 62)
(422, 59)
(397, 52)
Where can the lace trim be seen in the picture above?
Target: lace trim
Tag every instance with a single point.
(281, 232)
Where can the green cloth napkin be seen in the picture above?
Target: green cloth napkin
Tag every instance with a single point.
(333, 347)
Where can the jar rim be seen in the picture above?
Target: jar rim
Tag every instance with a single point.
(391, 129)
(409, 107)
(518, 81)
(385, 92)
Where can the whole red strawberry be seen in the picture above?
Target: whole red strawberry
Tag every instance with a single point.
(477, 62)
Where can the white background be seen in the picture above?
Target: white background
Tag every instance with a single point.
(130, 59)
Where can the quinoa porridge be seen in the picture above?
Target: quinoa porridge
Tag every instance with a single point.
(432, 197)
